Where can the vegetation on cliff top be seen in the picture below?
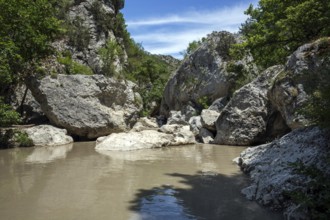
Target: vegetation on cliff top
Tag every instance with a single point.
(276, 28)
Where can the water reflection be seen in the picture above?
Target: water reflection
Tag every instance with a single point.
(49, 154)
(208, 196)
(160, 203)
(147, 184)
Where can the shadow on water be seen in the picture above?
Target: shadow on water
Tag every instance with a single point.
(207, 196)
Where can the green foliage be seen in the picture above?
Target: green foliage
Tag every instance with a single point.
(22, 139)
(110, 54)
(239, 74)
(317, 108)
(8, 116)
(150, 73)
(118, 4)
(276, 28)
(227, 40)
(192, 47)
(72, 67)
(27, 29)
(204, 102)
(316, 197)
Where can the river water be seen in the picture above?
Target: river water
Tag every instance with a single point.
(76, 182)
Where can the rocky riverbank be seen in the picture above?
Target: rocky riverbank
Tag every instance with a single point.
(202, 102)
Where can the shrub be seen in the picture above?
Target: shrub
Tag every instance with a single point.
(72, 67)
(204, 102)
(22, 139)
(8, 116)
(109, 54)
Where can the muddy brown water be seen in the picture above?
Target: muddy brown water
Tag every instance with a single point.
(75, 182)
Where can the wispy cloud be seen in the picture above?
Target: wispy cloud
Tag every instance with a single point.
(171, 34)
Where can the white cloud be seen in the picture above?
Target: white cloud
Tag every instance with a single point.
(161, 35)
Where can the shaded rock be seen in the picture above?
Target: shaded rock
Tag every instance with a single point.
(245, 119)
(208, 119)
(195, 124)
(204, 75)
(47, 135)
(206, 136)
(32, 113)
(145, 124)
(219, 104)
(87, 106)
(167, 135)
(272, 174)
(303, 71)
(176, 117)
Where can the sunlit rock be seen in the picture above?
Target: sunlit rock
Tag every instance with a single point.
(47, 135)
(88, 106)
(271, 170)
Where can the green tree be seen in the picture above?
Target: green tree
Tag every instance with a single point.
(27, 28)
(192, 46)
(276, 28)
(118, 4)
(7, 115)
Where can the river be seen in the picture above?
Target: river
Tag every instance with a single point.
(74, 182)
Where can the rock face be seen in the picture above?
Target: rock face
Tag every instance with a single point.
(47, 135)
(87, 106)
(219, 104)
(270, 170)
(204, 74)
(168, 135)
(248, 117)
(87, 34)
(303, 69)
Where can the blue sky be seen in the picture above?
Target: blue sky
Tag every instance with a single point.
(167, 26)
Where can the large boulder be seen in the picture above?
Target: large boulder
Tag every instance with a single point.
(248, 118)
(304, 70)
(167, 135)
(87, 106)
(271, 169)
(204, 76)
(133, 141)
(47, 135)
